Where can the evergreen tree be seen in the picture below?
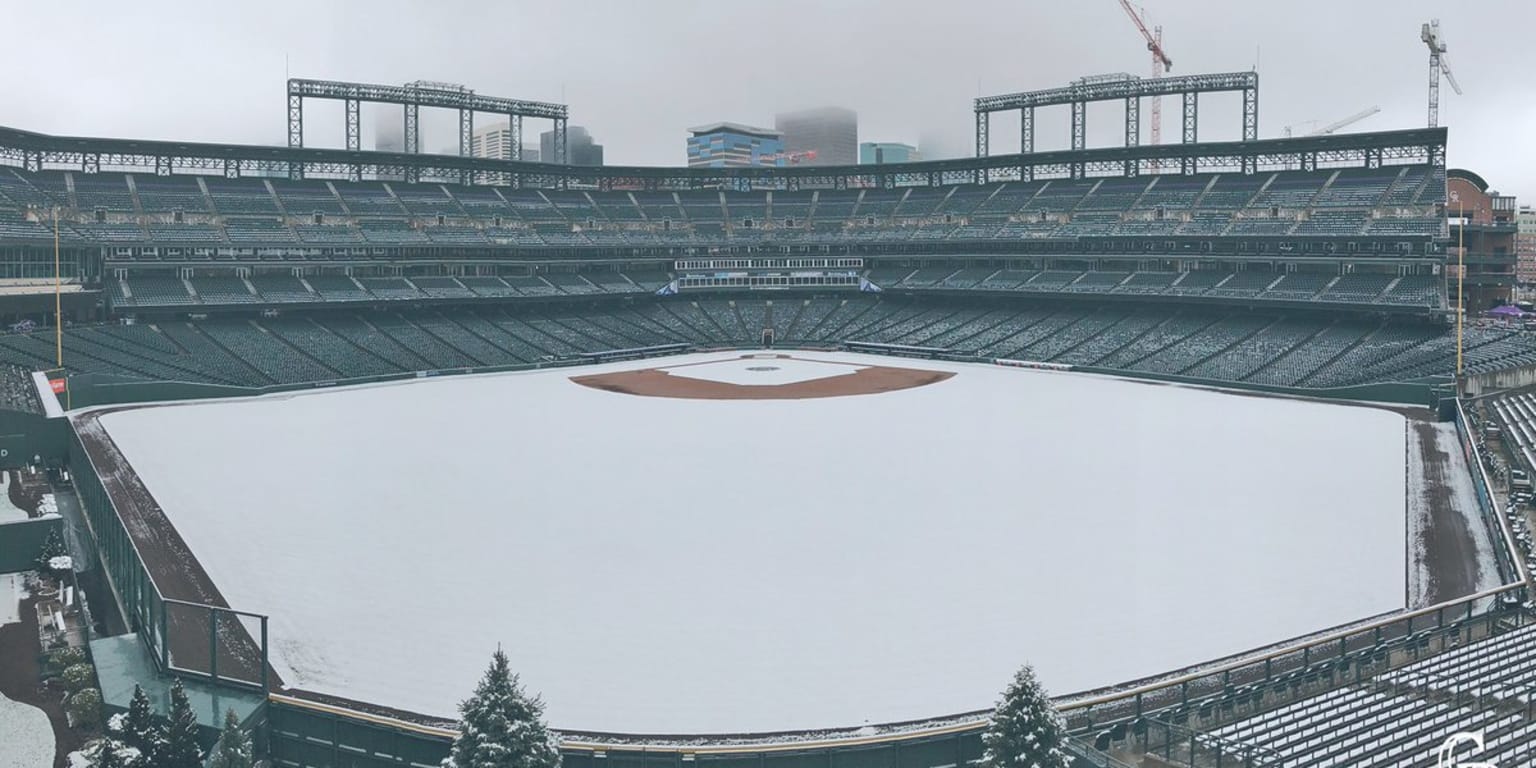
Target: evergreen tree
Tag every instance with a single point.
(502, 727)
(53, 546)
(179, 748)
(109, 755)
(1025, 730)
(139, 729)
(234, 750)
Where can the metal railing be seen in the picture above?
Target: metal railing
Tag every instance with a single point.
(220, 644)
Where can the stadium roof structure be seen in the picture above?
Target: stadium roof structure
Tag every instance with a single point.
(38, 151)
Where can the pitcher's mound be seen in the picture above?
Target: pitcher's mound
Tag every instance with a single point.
(762, 376)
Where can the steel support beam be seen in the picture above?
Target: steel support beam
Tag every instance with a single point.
(441, 95)
(295, 120)
(560, 148)
(1132, 122)
(515, 128)
(983, 124)
(412, 137)
(354, 128)
(1132, 131)
(1190, 129)
(466, 132)
(1250, 126)
(1079, 125)
(1251, 113)
(1027, 130)
(412, 130)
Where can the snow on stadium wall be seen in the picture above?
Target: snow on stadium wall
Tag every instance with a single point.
(219, 644)
(22, 540)
(304, 734)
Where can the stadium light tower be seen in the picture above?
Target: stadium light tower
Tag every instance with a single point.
(1438, 64)
(1161, 65)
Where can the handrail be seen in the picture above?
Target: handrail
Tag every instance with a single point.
(1277, 652)
(1481, 476)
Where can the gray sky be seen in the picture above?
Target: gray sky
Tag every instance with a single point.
(638, 73)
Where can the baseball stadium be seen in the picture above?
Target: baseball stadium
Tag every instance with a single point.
(789, 466)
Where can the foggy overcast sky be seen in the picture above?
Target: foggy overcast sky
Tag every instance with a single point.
(638, 73)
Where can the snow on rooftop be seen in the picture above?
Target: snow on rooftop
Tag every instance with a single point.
(658, 565)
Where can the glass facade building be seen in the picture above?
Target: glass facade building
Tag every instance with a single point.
(732, 145)
(882, 152)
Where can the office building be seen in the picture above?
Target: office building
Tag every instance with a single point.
(733, 145)
(493, 141)
(579, 147)
(884, 152)
(825, 136)
(1525, 245)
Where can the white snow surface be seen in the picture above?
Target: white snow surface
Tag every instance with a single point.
(8, 512)
(1459, 481)
(26, 737)
(13, 590)
(656, 565)
(762, 370)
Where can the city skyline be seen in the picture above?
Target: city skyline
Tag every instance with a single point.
(1365, 55)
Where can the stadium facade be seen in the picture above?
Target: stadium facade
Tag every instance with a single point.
(1315, 265)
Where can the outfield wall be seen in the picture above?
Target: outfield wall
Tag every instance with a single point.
(94, 390)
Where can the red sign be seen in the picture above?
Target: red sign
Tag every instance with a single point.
(58, 385)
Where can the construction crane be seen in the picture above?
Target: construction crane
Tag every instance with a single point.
(1161, 64)
(1438, 64)
(1334, 126)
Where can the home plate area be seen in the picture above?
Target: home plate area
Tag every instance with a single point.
(762, 376)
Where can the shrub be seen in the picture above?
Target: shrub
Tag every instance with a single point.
(84, 708)
(64, 658)
(78, 676)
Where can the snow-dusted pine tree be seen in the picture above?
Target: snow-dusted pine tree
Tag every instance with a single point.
(138, 727)
(179, 749)
(234, 749)
(1025, 730)
(53, 546)
(109, 754)
(502, 727)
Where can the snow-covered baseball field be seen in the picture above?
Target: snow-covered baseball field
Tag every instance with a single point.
(657, 565)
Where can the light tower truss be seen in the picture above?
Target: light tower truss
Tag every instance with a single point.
(412, 97)
(1119, 87)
